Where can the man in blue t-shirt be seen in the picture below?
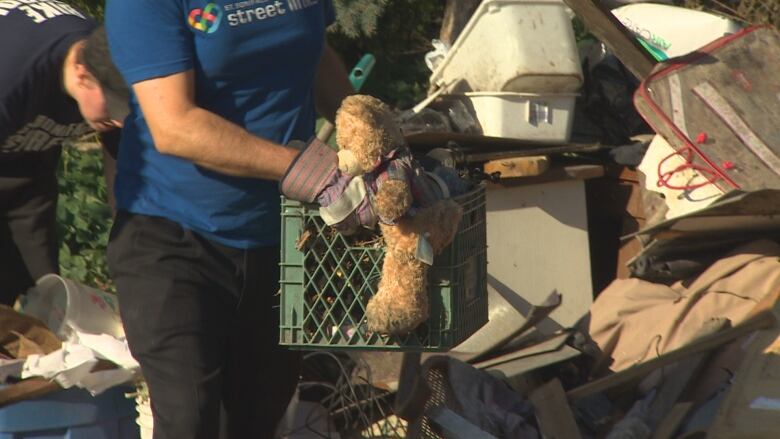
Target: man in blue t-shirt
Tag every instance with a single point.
(218, 88)
(54, 76)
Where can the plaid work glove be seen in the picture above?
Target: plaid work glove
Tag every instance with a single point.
(315, 168)
(314, 177)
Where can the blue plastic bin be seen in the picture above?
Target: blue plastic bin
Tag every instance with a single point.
(72, 414)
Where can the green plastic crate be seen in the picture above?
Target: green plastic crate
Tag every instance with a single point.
(327, 280)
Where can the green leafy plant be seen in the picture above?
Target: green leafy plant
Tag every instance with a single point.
(399, 34)
(743, 11)
(83, 217)
(356, 18)
(92, 7)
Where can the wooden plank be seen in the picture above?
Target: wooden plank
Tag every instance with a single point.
(27, 389)
(671, 422)
(422, 141)
(677, 378)
(669, 383)
(553, 414)
(764, 315)
(517, 369)
(751, 408)
(475, 155)
(555, 173)
(553, 344)
(535, 315)
(518, 166)
(610, 31)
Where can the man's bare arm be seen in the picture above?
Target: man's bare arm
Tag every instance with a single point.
(180, 128)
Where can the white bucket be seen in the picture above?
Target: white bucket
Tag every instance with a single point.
(526, 116)
(524, 46)
(65, 306)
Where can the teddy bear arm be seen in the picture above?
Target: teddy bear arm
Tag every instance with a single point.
(439, 223)
(401, 238)
(392, 200)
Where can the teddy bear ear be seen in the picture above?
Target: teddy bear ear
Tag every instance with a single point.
(376, 113)
(383, 117)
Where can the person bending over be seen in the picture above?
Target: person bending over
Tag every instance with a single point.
(48, 94)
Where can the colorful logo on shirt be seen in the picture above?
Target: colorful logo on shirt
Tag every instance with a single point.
(206, 19)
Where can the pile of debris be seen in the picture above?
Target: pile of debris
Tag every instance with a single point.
(682, 340)
(685, 339)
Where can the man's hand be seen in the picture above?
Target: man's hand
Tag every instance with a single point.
(314, 177)
(310, 173)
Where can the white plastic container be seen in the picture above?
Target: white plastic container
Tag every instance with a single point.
(527, 116)
(66, 306)
(524, 46)
(673, 30)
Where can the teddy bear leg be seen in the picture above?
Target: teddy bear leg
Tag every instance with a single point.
(401, 302)
(439, 223)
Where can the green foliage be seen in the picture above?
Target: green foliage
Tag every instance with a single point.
(581, 33)
(746, 12)
(83, 217)
(92, 7)
(402, 37)
(356, 18)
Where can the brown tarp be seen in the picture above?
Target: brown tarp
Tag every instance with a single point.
(633, 320)
(22, 335)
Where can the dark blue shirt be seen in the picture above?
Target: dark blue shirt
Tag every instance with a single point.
(254, 64)
(36, 114)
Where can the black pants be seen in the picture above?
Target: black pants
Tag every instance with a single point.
(29, 245)
(28, 215)
(110, 141)
(202, 320)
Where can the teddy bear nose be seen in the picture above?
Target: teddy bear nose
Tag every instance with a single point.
(348, 162)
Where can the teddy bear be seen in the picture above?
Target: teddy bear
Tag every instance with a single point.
(416, 219)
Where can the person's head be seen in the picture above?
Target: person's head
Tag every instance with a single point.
(94, 82)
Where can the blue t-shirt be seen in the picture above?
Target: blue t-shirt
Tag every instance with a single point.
(254, 64)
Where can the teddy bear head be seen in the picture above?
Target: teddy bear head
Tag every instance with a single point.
(366, 131)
